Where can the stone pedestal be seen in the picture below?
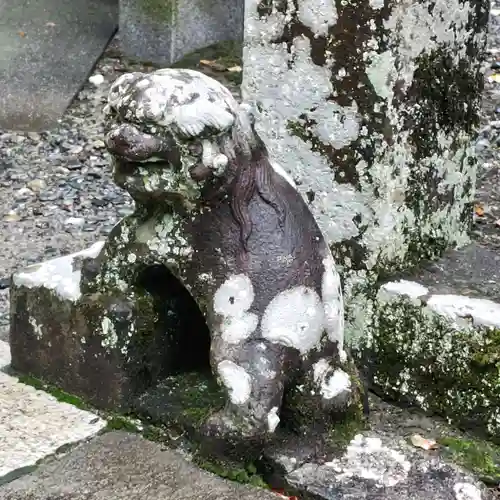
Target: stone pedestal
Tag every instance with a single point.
(371, 108)
(104, 349)
(164, 31)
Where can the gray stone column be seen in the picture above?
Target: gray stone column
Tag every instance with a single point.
(164, 31)
(370, 106)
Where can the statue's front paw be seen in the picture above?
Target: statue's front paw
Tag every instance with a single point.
(225, 425)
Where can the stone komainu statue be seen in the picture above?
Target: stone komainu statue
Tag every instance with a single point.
(240, 238)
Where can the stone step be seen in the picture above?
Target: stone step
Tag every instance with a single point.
(47, 50)
(34, 424)
(435, 338)
(118, 466)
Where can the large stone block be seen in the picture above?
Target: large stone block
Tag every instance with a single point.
(432, 339)
(163, 31)
(105, 349)
(371, 108)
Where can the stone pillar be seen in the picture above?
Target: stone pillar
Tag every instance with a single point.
(164, 31)
(370, 107)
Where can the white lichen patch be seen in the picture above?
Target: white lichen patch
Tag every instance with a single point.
(318, 15)
(467, 491)
(33, 424)
(483, 312)
(184, 99)
(410, 289)
(232, 301)
(368, 458)
(164, 236)
(57, 274)
(331, 296)
(294, 318)
(273, 419)
(237, 380)
(37, 328)
(108, 332)
(331, 383)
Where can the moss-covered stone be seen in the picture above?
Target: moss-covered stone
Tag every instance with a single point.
(159, 11)
(418, 356)
(183, 401)
(122, 423)
(302, 412)
(59, 394)
(239, 473)
(480, 457)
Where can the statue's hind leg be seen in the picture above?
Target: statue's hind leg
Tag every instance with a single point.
(329, 391)
(252, 373)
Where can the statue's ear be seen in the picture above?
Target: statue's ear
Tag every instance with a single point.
(247, 109)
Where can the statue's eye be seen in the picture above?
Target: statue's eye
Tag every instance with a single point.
(195, 149)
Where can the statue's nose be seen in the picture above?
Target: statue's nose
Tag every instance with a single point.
(130, 143)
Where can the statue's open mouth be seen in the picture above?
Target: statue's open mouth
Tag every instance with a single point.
(135, 147)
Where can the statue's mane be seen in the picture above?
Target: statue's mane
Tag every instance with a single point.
(194, 106)
(254, 175)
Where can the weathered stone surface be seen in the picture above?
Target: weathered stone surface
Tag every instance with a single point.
(370, 107)
(376, 469)
(212, 211)
(33, 424)
(120, 466)
(433, 339)
(215, 226)
(47, 50)
(163, 31)
(76, 342)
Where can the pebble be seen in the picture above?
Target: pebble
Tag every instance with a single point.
(37, 185)
(97, 79)
(75, 221)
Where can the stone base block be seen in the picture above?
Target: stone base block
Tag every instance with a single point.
(104, 349)
(433, 339)
(164, 31)
(34, 424)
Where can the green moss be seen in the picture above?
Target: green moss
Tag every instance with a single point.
(121, 423)
(160, 11)
(418, 356)
(60, 395)
(480, 457)
(197, 396)
(244, 474)
(344, 432)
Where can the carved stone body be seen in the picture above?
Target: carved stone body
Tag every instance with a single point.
(238, 236)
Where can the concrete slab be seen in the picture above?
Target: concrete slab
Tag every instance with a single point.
(33, 424)
(47, 50)
(120, 466)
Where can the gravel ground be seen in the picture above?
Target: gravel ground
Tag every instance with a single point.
(56, 193)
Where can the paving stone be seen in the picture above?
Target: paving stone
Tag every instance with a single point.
(375, 469)
(116, 466)
(33, 424)
(47, 50)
